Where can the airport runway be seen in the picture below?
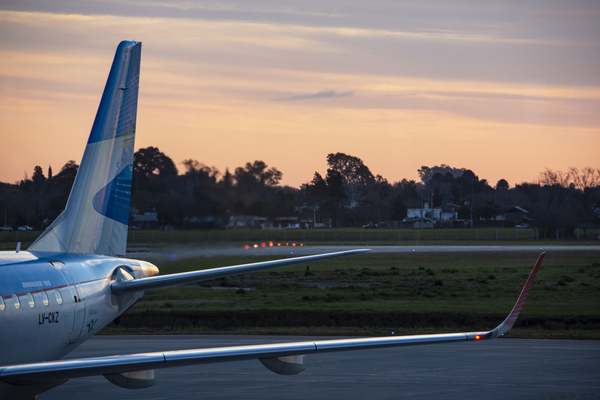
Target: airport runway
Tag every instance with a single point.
(497, 369)
(182, 252)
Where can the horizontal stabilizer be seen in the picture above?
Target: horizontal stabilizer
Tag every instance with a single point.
(157, 282)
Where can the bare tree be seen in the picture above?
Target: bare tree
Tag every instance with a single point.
(585, 179)
(555, 182)
(586, 184)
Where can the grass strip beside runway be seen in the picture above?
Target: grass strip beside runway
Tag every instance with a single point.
(380, 293)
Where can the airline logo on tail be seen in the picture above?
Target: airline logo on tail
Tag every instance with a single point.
(113, 200)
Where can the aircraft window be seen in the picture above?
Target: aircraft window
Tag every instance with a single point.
(45, 298)
(2, 305)
(30, 300)
(58, 297)
(16, 301)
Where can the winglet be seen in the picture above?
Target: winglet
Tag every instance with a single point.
(508, 323)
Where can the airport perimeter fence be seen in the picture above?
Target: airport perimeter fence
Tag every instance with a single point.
(252, 236)
(329, 235)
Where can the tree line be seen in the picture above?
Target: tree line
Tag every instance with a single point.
(348, 194)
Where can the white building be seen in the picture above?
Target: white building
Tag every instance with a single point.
(437, 215)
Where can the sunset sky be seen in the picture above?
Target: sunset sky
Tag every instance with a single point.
(506, 89)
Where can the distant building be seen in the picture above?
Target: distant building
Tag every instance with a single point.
(312, 218)
(416, 222)
(146, 220)
(516, 215)
(438, 216)
(286, 223)
(246, 221)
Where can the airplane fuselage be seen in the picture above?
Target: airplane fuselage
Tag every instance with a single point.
(50, 303)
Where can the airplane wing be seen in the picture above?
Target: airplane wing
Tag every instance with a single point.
(284, 358)
(155, 282)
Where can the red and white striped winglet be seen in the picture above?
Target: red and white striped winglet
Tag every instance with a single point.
(514, 314)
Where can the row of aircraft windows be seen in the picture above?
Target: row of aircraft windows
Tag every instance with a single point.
(31, 301)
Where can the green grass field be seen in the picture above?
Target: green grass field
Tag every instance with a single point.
(371, 293)
(379, 293)
(9, 239)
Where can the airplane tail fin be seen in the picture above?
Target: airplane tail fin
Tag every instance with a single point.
(96, 217)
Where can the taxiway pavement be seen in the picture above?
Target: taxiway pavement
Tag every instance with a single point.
(183, 252)
(498, 369)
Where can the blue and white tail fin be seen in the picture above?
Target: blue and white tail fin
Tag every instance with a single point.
(96, 217)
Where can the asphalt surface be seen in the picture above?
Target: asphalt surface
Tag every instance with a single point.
(182, 252)
(497, 369)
